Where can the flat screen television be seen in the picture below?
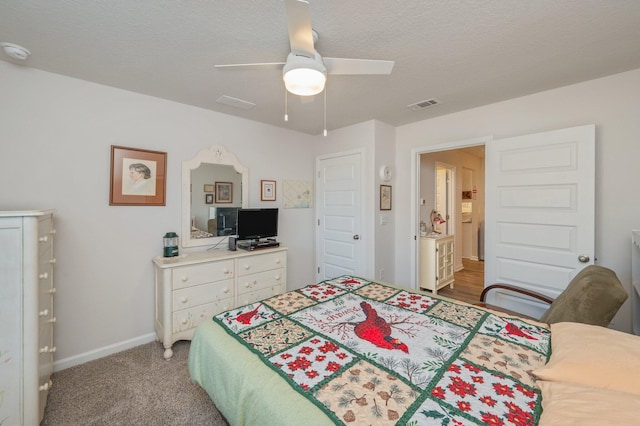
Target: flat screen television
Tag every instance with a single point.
(254, 224)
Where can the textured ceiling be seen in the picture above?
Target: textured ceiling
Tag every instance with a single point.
(462, 53)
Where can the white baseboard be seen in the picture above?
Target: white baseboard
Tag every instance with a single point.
(71, 361)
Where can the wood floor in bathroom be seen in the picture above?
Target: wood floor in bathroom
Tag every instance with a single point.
(468, 283)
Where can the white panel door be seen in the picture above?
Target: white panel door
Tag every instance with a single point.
(540, 200)
(339, 243)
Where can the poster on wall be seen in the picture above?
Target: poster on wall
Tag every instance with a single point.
(138, 177)
(296, 194)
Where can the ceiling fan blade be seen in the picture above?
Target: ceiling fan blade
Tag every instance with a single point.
(357, 66)
(300, 31)
(262, 65)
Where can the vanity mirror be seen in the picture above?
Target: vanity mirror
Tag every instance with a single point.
(206, 218)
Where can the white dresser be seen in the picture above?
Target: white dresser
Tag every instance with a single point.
(26, 315)
(436, 262)
(194, 287)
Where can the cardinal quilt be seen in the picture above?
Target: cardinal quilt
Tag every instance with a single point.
(368, 353)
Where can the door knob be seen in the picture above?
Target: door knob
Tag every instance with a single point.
(583, 258)
(356, 237)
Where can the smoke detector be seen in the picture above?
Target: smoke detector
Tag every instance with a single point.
(16, 52)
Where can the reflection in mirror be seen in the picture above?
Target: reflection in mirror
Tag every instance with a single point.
(212, 208)
(214, 187)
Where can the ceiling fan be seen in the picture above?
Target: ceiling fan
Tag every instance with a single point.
(305, 71)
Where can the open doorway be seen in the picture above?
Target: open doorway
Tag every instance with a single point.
(443, 217)
(451, 186)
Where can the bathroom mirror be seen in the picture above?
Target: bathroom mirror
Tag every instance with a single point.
(214, 185)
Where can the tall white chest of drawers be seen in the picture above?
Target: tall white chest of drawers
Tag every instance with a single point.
(194, 287)
(26, 315)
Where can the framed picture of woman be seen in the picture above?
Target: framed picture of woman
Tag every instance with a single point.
(138, 177)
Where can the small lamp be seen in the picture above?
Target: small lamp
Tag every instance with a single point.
(436, 218)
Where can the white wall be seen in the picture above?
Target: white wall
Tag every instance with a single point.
(611, 103)
(385, 155)
(56, 134)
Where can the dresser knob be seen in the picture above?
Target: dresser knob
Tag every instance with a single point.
(52, 261)
(247, 267)
(184, 300)
(225, 290)
(45, 387)
(277, 261)
(53, 231)
(52, 291)
(52, 320)
(277, 277)
(44, 239)
(53, 349)
(184, 321)
(185, 279)
(44, 313)
(44, 275)
(247, 285)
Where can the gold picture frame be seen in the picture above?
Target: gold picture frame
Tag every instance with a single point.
(224, 192)
(268, 190)
(385, 197)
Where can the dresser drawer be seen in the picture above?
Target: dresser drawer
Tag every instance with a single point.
(249, 283)
(187, 276)
(262, 262)
(190, 318)
(201, 294)
(264, 293)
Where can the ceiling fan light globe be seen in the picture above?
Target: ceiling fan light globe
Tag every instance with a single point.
(304, 81)
(304, 76)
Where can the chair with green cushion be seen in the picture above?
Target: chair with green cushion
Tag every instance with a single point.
(593, 296)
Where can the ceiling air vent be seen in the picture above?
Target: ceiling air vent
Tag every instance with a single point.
(424, 104)
(235, 102)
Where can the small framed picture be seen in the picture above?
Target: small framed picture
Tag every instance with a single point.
(138, 177)
(224, 192)
(209, 187)
(208, 198)
(267, 190)
(385, 197)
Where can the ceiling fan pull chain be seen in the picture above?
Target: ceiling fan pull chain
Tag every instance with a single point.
(325, 112)
(286, 105)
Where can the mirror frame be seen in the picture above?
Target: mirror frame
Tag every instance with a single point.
(216, 154)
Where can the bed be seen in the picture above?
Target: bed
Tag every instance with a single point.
(356, 351)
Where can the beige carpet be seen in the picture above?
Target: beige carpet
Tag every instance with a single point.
(134, 387)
